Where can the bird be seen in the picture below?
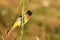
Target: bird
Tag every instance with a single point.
(18, 21)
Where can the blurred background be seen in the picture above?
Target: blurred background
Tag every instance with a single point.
(44, 23)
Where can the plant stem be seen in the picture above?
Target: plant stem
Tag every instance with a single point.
(22, 25)
(19, 6)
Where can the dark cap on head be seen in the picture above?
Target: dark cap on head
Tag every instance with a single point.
(29, 13)
(20, 16)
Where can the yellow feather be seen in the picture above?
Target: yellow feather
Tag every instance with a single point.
(15, 25)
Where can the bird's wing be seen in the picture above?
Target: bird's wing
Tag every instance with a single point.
(16, 24)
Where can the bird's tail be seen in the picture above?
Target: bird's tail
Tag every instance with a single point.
(10, 30)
